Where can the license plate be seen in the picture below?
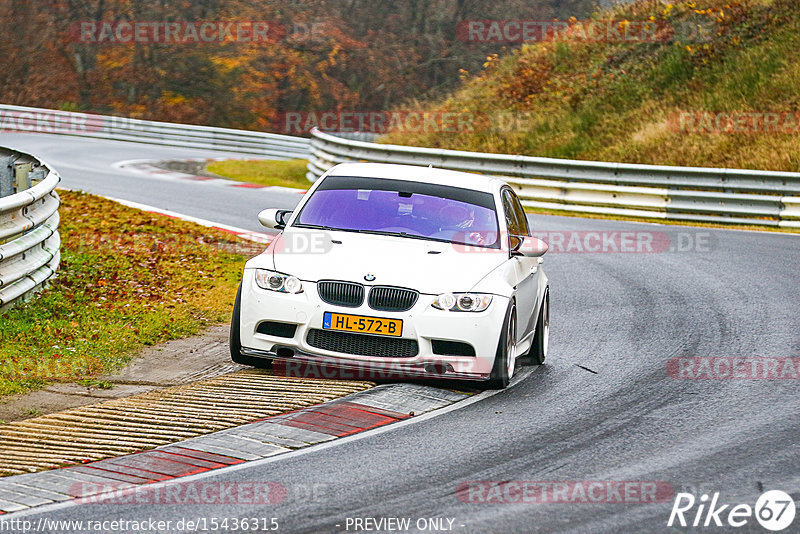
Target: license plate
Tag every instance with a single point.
(361, 324)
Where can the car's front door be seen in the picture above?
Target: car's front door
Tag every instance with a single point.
(525, 269)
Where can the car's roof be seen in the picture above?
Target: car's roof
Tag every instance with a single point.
(414, 173)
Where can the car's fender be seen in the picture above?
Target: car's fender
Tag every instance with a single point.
(498, 281)
(266, 259)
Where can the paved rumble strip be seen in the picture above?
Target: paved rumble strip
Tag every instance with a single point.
(131, 424)
(191, 425)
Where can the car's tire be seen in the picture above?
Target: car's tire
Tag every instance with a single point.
(235, 340)
(541, 339)
(503, 368)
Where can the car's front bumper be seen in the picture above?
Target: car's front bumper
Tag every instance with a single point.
(423, 323)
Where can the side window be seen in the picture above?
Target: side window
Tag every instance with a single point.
(512, 221)
(520, 211)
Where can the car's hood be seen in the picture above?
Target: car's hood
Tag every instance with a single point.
(427, 266)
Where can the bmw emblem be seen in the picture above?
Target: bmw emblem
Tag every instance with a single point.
(370, 278)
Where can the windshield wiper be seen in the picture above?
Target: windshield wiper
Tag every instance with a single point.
(314, 226)
(403, 234)
(329, 228)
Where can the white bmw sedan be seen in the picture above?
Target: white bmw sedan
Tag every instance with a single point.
(421, 271)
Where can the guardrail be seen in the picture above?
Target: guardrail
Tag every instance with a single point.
(29, 240)
(25, 119)
(694, 194)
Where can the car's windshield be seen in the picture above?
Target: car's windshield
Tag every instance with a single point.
(403, 208)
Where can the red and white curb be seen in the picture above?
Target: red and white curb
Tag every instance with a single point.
(151, 168)
(365, 410)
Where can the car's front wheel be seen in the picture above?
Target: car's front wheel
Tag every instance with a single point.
(235, 339)
(505, 357)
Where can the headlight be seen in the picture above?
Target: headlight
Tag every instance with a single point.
(465, 302)
(282, 283)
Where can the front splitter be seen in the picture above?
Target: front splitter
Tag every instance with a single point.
(304, 365)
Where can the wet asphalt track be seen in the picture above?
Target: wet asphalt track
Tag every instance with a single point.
(620, 315)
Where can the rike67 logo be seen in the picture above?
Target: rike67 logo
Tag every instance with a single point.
(774, 510)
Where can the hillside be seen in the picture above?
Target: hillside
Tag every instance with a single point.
(718, 85)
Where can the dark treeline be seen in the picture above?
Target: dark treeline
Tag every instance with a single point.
(318, 55)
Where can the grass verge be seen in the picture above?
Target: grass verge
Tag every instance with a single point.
(291, 173)
(127, 279)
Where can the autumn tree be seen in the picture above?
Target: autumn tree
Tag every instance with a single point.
(329, 54)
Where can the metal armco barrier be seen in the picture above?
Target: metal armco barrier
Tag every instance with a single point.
(694, 194)
(29, 240)
(260, 144)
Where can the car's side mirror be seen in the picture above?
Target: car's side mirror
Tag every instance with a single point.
(273, 218)
(514, 243)
(528, 246)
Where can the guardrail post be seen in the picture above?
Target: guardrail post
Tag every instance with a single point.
(22, 175)
(37, 174)
(6, 177)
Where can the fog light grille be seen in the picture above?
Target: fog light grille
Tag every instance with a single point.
(363, 345)
(452, 348)
(271, 328)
